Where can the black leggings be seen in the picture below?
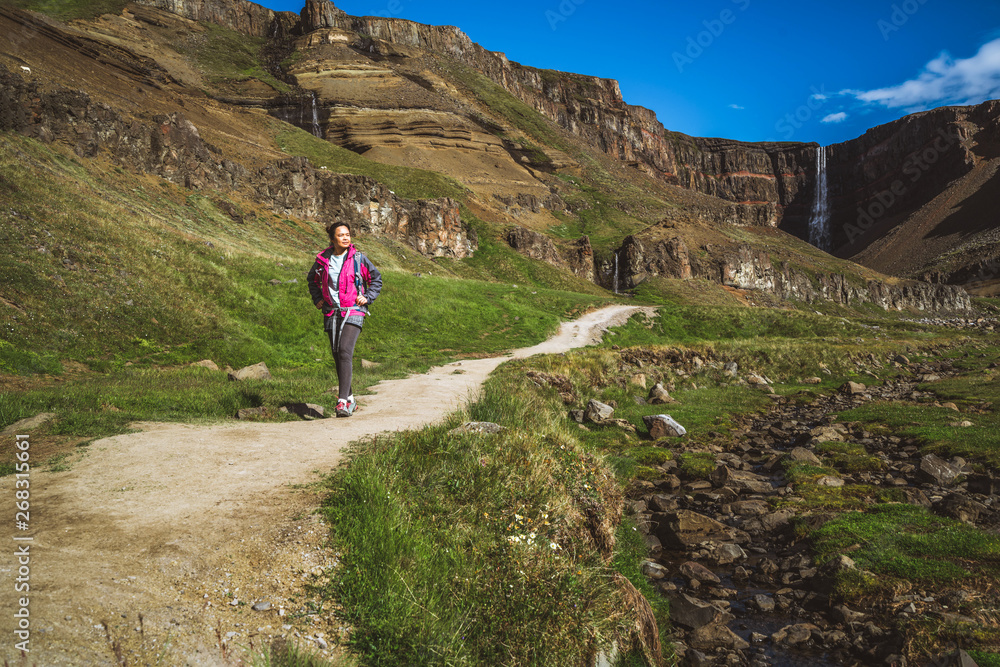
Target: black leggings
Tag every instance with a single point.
(342, 341)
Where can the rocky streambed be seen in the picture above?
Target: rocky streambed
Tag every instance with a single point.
(731, 551)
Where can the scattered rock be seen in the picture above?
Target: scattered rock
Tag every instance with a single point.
(853, 388)
(255, 372)
(206, 363)
(698, 572)
(262, 606)
(252, 413)
(663, 426)
(598, 412)
(658, 395)
(305, 410)
(936, 470)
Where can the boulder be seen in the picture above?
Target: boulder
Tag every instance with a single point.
(776, 520)
(750, 508)
(251, 413)
(984, 484)
(958, 506)
(663, 426)
(658, 395)
(694, 613)
(803, 455)
(698, 572)
(725, 554)
(206, 363)
(598, 412)
(935, 470)
(255, 372)
(714, 636)
(683, 528)
(853, 388)
(799, 633)
(653, 570)
(304, 410)
(741, 481)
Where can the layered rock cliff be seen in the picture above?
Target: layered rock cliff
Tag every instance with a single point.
(751, 268)
(768, 180)
(172, 148)
(905, 194)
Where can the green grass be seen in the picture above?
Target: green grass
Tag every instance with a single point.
(933, 426)
(67, 10)
(908, 543)
(225, 55)
(91, 291)
(500, 519)
(849, 457)
(406, 182)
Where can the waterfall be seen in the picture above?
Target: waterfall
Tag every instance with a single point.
(614, 277)
(317, 132)
(819, 218)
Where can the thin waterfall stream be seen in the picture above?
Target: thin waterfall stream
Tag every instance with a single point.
(819, 218)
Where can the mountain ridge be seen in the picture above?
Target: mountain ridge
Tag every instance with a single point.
(400, 105)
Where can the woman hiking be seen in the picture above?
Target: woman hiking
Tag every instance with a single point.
(343, 283)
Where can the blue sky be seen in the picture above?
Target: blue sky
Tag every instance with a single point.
(753, 70)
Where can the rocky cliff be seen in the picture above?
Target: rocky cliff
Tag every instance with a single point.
(746, 267)
(172, 148)
(769, 181)
(877, 182)
(906, 193)
(241, 15)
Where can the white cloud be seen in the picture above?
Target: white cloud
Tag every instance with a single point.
(944, 81)
(838, 117)
(736, 106)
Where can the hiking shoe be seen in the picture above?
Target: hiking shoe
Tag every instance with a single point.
(346, 406)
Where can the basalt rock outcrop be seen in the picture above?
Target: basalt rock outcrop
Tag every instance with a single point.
(241, 15)
(172, 148)
(750, 268)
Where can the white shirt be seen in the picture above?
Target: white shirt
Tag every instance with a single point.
(336, 264)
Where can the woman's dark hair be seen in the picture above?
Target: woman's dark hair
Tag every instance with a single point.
(333, 228)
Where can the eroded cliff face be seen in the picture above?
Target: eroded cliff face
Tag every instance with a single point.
(172, 148)
(240, 15)
(745, 267)
(769, 181)
(929, 174)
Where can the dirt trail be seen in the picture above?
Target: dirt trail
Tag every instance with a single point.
(176, 521)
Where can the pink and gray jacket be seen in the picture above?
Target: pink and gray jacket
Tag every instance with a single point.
(357, 276)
